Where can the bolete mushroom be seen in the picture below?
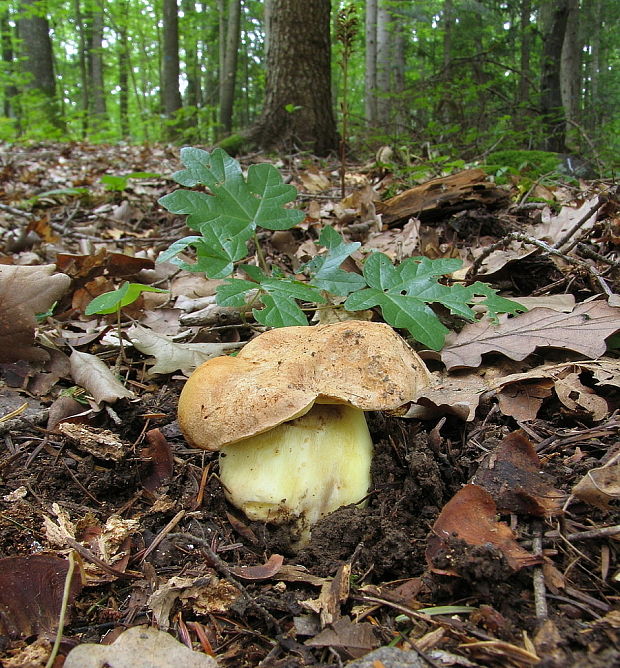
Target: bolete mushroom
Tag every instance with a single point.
(287, 415)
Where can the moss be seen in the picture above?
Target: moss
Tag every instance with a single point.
(233, 144)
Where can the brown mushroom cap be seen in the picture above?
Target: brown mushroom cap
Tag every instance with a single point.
(281, 373)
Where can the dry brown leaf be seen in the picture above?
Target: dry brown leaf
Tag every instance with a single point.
(469, 518)
(31, 589)
(512, 476)
(583, 331)
(579, 398)
(599, 486)
(24, 292)
(262, 572)
(523, 400)
(94, 375)
(138, 646)
(347, 634)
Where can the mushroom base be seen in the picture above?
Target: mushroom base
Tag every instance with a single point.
(300, 470)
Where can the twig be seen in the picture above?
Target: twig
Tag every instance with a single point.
(582, 249)
(603, 532)
(162, 534)
(63, 612)
(586, 216)
(222, 567)
(540, 591)
(14, 211)
(542, 245)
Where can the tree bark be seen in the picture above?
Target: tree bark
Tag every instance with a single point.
(123, 70)
(570, 74)
(525, 50)
(98, 109)
(38, 61)
(170, 57)
(555, 15)
(10, 91)
(384, 64)
(370, 77)
(298, 77)
(229, 70)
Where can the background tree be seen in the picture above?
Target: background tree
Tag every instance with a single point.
(170, 63)
(298, 100)
(229, 39)
(98, 111)
(38, 60)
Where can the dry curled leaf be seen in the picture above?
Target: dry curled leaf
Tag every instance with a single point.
(583, 331)
(469, 519)
(599, 486)
(170, 356)
(96, 377)
(262, 572)
(25, 292)
(512, 476)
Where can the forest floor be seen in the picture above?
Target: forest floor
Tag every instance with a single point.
(490, 535)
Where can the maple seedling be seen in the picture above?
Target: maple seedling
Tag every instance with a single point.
(115, 300)
(228, 217)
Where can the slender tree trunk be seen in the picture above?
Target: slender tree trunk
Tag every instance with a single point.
(227, 83)
(123, 71)
(384, 65)
(370, 78)
(170, 65)
(570, 80)
(555, 15)
(267, 8)
(448, 28)
(525, 50)
(38, 61)
(298, 100)
(98, 109)
(10, 91)
(83, 64)
(190, 46)
(594, 113)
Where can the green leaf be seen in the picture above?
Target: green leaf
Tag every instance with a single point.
(233, 292)
(111, 302)
(404, 292)
(280, 310)
(325, 270)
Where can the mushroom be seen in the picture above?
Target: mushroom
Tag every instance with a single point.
(287, 415)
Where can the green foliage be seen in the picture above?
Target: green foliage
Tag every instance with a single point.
(116, 183)
(228, 218)
(532, 163)
(113, 301)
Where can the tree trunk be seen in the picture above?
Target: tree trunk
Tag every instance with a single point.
(95, 59)
(82, 59)
(594, 70)
(555, 15)
(298, 99)
(526, 48)
(384, 64)
(10, 91)
(170, 65)
(570, 80)
(229, 71)
(190, 47)
(38, 62)
(370, 77)
(123, 71)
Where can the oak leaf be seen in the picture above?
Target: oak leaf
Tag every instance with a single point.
(25, 292)
(583, 331)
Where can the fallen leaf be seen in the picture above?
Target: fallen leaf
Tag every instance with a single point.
(579, 398)
(512, 475)
(583, 331)
(599, 486)
(95, 376)
(523, 400)
(138, 646)
(159, 452)
(262, 572)
(25, 292)
(31, 589)
(170, 356)
(469, 517)
(347, 634)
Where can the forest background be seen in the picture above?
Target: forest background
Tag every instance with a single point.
(434, 78)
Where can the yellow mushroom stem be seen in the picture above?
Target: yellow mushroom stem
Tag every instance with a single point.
(300, 470)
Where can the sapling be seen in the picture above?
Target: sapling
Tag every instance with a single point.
(237, 206)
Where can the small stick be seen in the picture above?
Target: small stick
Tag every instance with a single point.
(586, 216)
(603, 532)
(162, 534)
(63, 612)
(540, 591)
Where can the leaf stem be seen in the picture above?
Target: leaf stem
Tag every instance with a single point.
(259, 253)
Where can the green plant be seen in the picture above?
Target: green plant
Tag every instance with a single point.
(113, 302)
(228, 219)
(116, 183)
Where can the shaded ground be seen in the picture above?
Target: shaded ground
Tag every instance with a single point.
(365, 571)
